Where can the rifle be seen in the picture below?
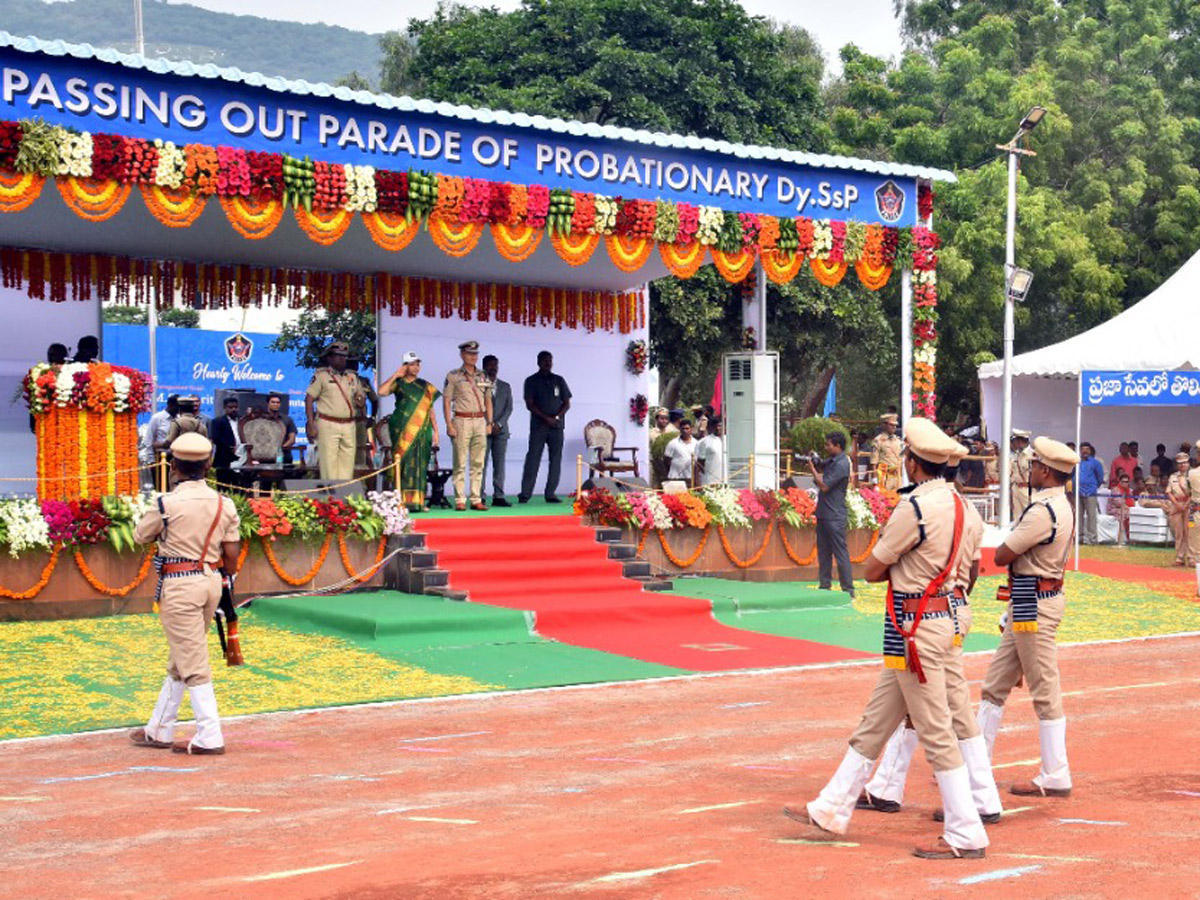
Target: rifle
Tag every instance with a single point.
(227, 614)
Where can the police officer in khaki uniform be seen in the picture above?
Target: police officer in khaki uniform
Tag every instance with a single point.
(187, 420)
(1193, 515)
(339, 399)
(1036, 553)
(885, 453)
(885, 790)
(1179, 499)
(1018, 472)
(919, 553)
(469, 392)
(197, 533)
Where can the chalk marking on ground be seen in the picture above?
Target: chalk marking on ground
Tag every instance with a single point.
(488, 696)
(403, 809)
(233, 809)
(346, 777)
(442, 821)
(1079, 859)
(999, 874)
(1019, 762)
(22, 799)
(700, 809)
(648, 873)
(270, 745)
(1014, 811)
(1090, 822)
(1129, 687)
(664, 740)
(126, 771)
(616, 759)
(772, 768)
(1184, 793)
(292, 873)
(426, 749)
(811, 843)
(744, 705)
(442, 737)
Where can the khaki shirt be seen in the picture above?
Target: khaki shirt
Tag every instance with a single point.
(1193, 485)
(885, 450)
(913, 567)
(184, 423)
(331, 390)
(970, 551)
(657, 432)
(1178, 490)
(1018, 467)
(1034, 557)
(190, 510)
(467, 391)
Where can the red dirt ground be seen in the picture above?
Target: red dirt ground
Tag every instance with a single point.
(578, 792)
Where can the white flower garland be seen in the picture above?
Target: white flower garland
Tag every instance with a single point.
(822, 239)
(74, 154)
(858, 512)
(24, 526)
(710, 219)
(606, 215)
(172, 163)
(360, 188)
(387, 505)
(725, 506)
(662, 516)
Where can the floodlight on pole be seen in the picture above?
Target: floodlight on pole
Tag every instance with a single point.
(1016, 283)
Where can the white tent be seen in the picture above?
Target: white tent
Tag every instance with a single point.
(1157, 333)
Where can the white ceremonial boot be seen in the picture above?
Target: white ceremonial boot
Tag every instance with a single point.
(208, 738)
(887, 784)
(835, 805)
(988, 718)
(983, 783)
(1197, 575)
(963, 832)
(1055, 776)
(160, 730)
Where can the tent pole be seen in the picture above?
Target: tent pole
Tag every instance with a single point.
(1079, 443)
(906, 347)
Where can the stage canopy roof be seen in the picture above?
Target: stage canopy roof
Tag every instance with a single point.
(1154, 334)
(483, 155)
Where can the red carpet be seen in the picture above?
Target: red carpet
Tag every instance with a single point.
(553, 567)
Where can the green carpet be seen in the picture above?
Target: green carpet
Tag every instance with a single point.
(485, 643)
(537, 506)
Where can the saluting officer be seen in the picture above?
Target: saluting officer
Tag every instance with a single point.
(339, 399)
(1036, 554)
(1018, 472)
(885, 453)
(918, 553)
(885, 790)
(469, 391)
(197, 533)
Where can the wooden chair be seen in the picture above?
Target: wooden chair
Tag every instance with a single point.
(263, 438)
(599, 437)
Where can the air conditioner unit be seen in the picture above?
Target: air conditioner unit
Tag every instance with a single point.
(750, 399)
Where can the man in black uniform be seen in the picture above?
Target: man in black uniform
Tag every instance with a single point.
(224, 437)
(547, 398)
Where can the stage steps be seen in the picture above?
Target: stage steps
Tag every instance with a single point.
(414, 570)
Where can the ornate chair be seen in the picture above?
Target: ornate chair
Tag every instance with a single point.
(263, 437)
(599, 437)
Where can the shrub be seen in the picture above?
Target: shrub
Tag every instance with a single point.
(808, 435)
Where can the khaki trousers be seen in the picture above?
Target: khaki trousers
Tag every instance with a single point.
(1020, 500)
(898, 692)
(470, 449)
(1033, 654)
(1192, 527)
(958, 691)
(335, 450)
(185, 611)
(1179, 528)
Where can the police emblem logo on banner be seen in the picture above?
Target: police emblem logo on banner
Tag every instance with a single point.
(238, 348)
(889, 201)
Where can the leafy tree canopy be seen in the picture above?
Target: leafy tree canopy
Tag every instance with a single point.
(314, 329)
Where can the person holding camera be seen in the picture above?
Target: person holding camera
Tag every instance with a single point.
(831, 476)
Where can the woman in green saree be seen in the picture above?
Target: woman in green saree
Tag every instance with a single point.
(413, 428)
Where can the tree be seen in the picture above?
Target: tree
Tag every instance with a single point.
(179, 318)
(139, 315)
(315, 329)
(1110, 205)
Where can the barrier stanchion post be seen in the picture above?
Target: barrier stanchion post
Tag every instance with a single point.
(751, 466)
(789, 465)
(162, 472)
(578, 474)
(396, 475)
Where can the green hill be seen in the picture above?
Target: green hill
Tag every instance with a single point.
(182, 32)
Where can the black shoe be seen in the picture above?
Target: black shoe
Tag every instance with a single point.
(498, 500)
(868, 801)
(553, 499)
(989, 819)
(522, 498)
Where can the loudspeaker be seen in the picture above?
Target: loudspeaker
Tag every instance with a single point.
(627, 483)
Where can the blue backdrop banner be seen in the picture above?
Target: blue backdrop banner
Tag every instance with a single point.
(192, 361)
(1140, 388)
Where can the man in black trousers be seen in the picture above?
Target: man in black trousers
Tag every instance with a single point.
(225, 441)
(832, 479)
(547, 398)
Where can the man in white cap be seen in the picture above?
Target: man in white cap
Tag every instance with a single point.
(885, 790)
(1036, 553)
(197, 534)
(1018, 471)
(885, 453)
(919, 554)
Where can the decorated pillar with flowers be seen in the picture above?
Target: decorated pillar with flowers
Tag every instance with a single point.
(85, 420)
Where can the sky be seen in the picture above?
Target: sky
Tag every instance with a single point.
(868, 23)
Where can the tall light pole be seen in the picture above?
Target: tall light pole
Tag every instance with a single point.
(1014, 150)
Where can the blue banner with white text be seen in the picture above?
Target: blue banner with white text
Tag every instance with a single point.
(1140, 388)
